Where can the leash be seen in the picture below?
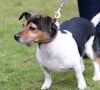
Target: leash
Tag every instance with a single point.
(58, 13)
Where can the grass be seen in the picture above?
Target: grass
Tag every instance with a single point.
(19, 69)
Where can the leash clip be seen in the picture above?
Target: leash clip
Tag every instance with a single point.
(57, 13)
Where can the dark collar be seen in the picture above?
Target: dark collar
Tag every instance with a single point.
(52, 38)
(52, 33)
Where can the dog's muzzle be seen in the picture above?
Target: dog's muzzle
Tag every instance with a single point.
(19, 39)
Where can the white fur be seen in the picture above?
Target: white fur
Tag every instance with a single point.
(62, 54)
(96, 19)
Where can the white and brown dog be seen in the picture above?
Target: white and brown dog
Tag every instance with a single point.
(60, 50)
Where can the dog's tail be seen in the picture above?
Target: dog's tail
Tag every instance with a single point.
(96, 19)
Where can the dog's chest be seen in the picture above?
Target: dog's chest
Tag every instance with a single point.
(59, 55)
(54, 63)
(54, 60)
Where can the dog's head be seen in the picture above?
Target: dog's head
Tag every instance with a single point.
(36, 28)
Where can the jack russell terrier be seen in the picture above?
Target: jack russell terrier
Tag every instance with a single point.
(60, 50)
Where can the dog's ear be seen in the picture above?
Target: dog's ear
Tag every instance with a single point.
(47, 21)
(26, 14)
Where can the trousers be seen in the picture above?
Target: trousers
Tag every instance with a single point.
(88, 9)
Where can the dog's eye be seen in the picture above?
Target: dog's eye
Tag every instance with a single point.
(32, 28)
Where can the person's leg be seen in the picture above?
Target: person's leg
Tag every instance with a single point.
(88, 9)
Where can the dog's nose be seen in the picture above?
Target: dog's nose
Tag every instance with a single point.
(16, 36)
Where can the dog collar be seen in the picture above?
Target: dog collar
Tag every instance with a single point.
(52, 39)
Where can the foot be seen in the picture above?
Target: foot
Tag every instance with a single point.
(82, 85)
(46, 85)
(96, 77)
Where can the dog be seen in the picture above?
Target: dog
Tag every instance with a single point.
(60, 49)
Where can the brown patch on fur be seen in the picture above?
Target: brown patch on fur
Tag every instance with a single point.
(33, 35)
(96, 59)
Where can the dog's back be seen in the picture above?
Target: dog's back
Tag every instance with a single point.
(81, 30)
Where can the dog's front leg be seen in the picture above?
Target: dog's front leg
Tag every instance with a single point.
(48, 81)
(80, 77)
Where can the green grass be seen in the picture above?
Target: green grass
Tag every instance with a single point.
(19, 69)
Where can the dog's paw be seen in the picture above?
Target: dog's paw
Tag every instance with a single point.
(82, 86)
(96, 77)
(46, 85)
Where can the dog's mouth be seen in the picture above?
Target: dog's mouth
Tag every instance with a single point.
(20, 40)
(29, 44)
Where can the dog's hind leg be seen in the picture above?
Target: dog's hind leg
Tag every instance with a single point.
(48, 81)
(89, 52)
(96, 76)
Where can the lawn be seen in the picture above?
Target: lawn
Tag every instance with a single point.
(19, 69)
